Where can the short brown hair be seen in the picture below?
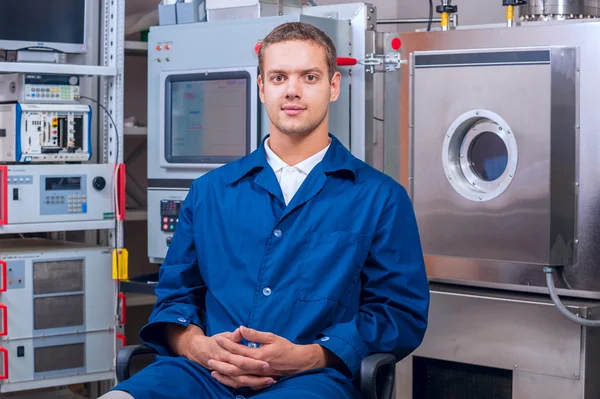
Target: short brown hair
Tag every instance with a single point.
(300, 31)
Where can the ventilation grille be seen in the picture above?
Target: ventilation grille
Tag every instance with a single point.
(437, 379)
(58, 276)
(58, 311)
(60, 357)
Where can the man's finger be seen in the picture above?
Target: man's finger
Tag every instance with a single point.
(257, 336)
(252, 366)
(236, 348)
(254, 382)
(225, 368)
(223, 379)
(236, 336)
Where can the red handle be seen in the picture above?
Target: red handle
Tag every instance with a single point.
(121, 195)
(4, 375)
(346, 61)
(123, 300)
(3, 195)
(122, 338)
(3, 276)
(4, 309)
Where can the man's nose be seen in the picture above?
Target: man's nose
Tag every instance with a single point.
(293, 88)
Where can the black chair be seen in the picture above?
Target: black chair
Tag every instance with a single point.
(377, 372)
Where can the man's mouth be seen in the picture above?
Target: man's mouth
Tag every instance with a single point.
(292, 110)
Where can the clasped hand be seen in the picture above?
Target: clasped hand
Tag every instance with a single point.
(237, 365)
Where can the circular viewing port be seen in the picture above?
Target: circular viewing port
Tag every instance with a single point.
(480, 155)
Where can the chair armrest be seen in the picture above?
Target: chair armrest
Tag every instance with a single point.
(124, 357)
(377, 376)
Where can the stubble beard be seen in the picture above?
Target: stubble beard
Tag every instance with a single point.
(302, 130)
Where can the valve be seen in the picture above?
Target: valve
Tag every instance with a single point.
(445, 9)
(510, 9)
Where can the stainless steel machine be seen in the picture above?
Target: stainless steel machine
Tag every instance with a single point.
(497, 144)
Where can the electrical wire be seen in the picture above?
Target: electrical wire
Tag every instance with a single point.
(559, 305)
(115, 193)
(430, 15)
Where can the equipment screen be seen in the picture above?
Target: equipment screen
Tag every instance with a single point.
(63, 183)
(207, 118)
(169, 208)
(52, 21)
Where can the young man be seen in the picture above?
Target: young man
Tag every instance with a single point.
(291, 265)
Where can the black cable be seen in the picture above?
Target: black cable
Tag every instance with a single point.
(116, 203)
(430, 15)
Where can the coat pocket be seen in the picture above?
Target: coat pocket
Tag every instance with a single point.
(331, 265)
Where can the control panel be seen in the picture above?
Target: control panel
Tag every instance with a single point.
(45, 133)
(163, 216)
(39, 88)
(62, 195)
(169, 214)
(15, 275)
(57, 193)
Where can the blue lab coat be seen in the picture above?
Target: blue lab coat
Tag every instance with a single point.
(340, 266)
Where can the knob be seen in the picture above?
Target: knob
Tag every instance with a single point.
(99, 183)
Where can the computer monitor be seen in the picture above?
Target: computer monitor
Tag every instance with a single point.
(58, 25)
(207, 117)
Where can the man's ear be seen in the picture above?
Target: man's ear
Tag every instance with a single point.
(261, 88)
(335, 86)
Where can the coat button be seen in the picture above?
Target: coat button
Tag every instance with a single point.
(277, 233)
(267, 291)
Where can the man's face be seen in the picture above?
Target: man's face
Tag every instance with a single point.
(296, 89)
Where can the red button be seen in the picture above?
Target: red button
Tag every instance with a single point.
(165, 220)
(165, 227)
(158, 48)
(396, 43)
(167, 47)
(257, 47)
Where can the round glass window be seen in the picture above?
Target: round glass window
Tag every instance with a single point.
(488, 156)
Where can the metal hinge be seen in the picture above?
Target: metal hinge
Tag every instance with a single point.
(390, 62)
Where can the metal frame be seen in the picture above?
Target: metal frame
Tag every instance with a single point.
(109, 137)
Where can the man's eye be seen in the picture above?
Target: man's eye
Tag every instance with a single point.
(278, 78)
(311, 78)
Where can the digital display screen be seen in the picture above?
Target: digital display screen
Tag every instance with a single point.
(208, 120)
(50, 21)
(63, 183)
(169, 208)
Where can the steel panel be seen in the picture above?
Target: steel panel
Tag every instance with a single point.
(582, 277)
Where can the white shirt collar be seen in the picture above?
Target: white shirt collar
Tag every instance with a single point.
(305, 166)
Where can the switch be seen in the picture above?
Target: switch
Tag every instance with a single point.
(15, 194)
(20, 351)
